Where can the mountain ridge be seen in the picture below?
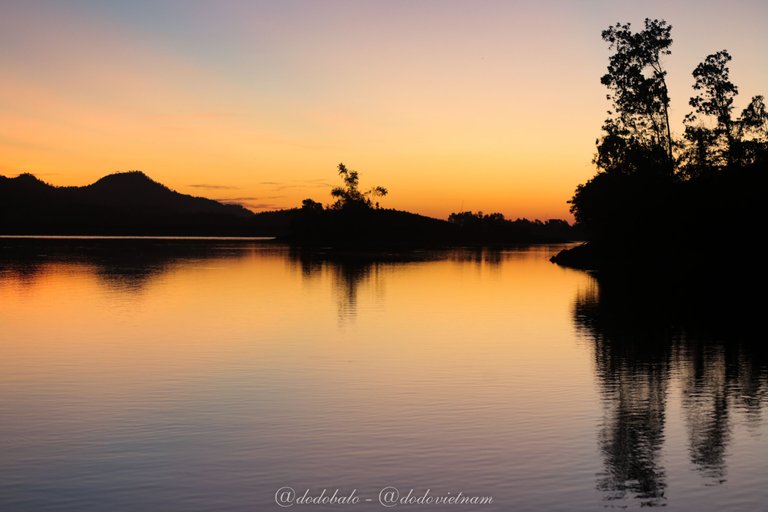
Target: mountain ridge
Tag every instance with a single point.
(119, 203)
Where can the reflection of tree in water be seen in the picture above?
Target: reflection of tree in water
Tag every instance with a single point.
(632, 436)
(25, 273)
(489, 256)
(349, 272)
(348, 280)
(705, 403)
(352, 271)
(643, 337)
(633, 369)
(717, 379)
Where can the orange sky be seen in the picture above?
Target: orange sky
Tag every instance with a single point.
(491, 105)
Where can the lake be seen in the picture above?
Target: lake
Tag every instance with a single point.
(221, 375)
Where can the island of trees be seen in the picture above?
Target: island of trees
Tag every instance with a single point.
(356, 219)
(681, 202)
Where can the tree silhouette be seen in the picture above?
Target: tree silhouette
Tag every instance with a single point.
(349, 196)
(754, 119)
(638, 127)
(649, 186)
(698, 155)
(715, 98)
(727, 143)
(752, 133)
(311, 205)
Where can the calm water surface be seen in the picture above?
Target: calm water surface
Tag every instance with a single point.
(203, 376)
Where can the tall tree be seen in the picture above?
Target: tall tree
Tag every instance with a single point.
(636, 81)
(754, 119)
(715, 98)
(752, 133)
(730, 142)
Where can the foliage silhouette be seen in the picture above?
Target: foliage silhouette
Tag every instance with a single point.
(349, 196)
(715, 98)
(657, 200)
(726, 143)
(494, 228)
(636, 81)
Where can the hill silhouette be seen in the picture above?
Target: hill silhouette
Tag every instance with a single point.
(122, 203)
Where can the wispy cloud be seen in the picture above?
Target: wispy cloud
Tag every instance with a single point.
(294, 184)
(246, 198)
(263, 206)
(213, 187)
(254, 205)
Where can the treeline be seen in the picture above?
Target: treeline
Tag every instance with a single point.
(370, 227)
(356, 219)
(657, 196)
(494, 227)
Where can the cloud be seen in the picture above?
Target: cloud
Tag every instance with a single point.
(246, 198)
(214, 187)
(294, 184)
(255, 205)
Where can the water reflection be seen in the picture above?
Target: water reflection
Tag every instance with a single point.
(352, 271)
(166, 375)
(646, 335)
(348, 273)
(123, 264)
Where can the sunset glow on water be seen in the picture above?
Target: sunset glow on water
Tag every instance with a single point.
(206, 376)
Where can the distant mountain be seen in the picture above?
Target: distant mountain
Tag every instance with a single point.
(122, 203)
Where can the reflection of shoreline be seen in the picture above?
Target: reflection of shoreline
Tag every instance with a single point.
(643, 338)
(121, 262)
(350, 271)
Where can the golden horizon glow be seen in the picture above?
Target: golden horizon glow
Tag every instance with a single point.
(491, 106)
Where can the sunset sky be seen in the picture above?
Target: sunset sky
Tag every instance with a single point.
(452, 105)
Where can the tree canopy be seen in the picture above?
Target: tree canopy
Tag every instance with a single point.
(637, 131)
(350, 196)
(644, 173)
